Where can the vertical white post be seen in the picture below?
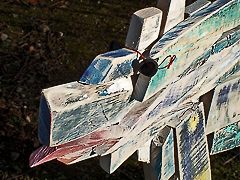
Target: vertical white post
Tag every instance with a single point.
(173, 13)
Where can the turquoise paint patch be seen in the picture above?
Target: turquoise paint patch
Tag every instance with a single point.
(226, 138)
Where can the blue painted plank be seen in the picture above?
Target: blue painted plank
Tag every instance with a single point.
(109, 66)
(193, 155)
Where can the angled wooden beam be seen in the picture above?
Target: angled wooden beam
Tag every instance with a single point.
(84, 147)
(190, 39)
(196, 6)
(161, 111)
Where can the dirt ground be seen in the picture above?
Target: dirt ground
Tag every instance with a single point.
(49, 42)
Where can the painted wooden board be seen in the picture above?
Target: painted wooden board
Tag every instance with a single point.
(143, 121)
(93, 143)
(168, 160)
(144, 28)
(191, 38)
(196, 6)
(173, 13)
(193, 155)
(86, 153)
(109, 66)
(159, 113)
(78, 109)
(224, 108)
(226, 138)
(133, 116)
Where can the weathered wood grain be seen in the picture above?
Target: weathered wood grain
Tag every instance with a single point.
(215, 65)
(159, 113)
(144, 28)
(152, 169)
(78, 109)
(144, 152)
(168, 160)
(224, 109)
(86, 146)
(83, 121)
(110, 66)
(173, 13)
(193, 155)
(196, 6)
(191, 38)
(226, 138)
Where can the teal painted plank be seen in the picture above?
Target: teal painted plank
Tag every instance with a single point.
(191, 38)
(193, 155)
(226, 138)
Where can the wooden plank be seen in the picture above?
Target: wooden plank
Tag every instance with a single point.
(223, 109)
(196, 6)
(144, 28)
(193, 155)
(168, 160)
(183, 90)
(173, 13)
(109, 66)
(142, 122)
(226, 138)
(152, 169)
(145, 152)
(78, 109)
(191, 38)
(80, 155)
(93, 143)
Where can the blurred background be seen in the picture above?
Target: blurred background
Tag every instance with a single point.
(50, 42)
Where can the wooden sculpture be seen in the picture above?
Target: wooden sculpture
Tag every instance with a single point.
(152, 97)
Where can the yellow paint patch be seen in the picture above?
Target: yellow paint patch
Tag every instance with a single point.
(193, 122)
(205, 175)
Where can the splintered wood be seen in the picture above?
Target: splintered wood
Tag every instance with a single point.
(116, 109)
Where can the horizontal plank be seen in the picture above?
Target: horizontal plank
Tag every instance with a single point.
(77, 109)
